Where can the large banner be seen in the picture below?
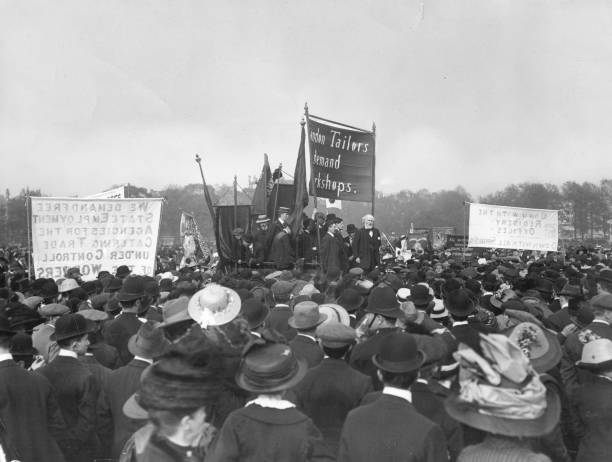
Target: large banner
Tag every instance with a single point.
(513, 228)
(341, 160)
(94, 235)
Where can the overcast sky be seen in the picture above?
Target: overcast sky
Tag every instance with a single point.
(463, 92)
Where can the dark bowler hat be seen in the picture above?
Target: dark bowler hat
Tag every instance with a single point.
(132, 289)
(70, 326)
(420, 296)
(149, 342)
(270, 368)
(382, 301)
(254, 311)
(350, 299)
(122, 271)
(545, 286)
(5, 326)
(398, 354)
(113, 284)
(460, 302)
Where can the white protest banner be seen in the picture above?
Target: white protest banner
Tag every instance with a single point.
(94, 235)
(115, 193)
(513, 228)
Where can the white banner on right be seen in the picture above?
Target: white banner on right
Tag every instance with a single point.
(513, 228)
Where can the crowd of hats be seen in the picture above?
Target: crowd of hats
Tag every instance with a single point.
(203, 325)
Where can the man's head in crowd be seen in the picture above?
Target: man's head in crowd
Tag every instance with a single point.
(368, 221)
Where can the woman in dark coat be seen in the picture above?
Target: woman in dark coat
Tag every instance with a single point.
(268, 427)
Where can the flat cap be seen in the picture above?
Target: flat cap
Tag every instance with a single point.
(53, 309)
(334, 334)
(94, 315)
(280, 288)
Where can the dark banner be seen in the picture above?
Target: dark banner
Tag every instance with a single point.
(456, 240)
(342, 162)
(282, 195)
(225, 224)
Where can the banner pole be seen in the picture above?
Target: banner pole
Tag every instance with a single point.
(373, 168)
(312, 188)
(465, 241)
(28, 220)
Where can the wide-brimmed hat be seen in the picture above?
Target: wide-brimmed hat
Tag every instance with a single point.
(306, 316)
(335, 312)
(500, 297)
(420, 296)
(149, 342)
(500, 393)
(254, 311)
(67, 285)
(596, 355)
(382, 301)
(214, 305)
(460, 302)
(132, 289)
(70, 326)
(270, 368)
(539, 344)
(399, 353)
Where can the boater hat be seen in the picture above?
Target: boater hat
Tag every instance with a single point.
(214, 305)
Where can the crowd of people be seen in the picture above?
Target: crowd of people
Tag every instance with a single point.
(503, 357)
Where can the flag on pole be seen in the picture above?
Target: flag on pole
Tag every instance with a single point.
(262, 190)
(299, 183)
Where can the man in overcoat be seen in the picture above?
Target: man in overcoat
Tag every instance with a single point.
(366, 245)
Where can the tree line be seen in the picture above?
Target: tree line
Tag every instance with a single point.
(584, 208)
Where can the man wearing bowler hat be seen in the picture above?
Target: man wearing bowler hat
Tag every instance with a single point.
(28, 409)
(146, 345)
(331, 389)
(118, 331)
(75, 387)
(390, 428)
(306, 317)
(600, 327)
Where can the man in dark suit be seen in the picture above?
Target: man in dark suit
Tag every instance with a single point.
(305, 319)
(330, 390)
(260, 239)
(75, 387)
(332, 253)
(390, 428)
(118, 331)
(29, 411)
(366, 245)
(116, 428)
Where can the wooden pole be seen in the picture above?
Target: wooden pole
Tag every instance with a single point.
(373, 168)
(235, 201)
(28, 217)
